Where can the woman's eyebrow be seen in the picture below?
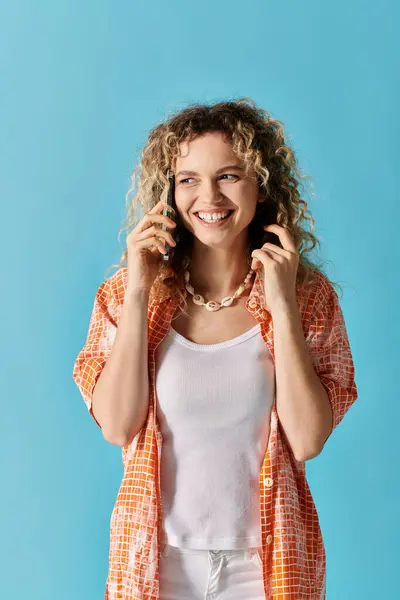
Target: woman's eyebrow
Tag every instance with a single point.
(237, 167)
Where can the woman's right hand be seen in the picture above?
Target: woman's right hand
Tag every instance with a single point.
(145, 244)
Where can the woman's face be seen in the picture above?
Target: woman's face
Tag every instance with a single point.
(211, 180)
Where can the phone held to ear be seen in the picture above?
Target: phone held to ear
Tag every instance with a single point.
(170, 197)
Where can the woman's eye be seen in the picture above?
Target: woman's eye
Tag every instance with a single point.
(224, 175)
(229, 175)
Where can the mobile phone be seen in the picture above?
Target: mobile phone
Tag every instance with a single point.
(170, 198)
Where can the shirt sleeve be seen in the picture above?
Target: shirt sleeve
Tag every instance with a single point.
(331, 353)
(100, 338)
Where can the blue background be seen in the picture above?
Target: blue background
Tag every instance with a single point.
(82, 83)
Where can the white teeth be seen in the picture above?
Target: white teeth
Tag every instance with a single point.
(213, 217)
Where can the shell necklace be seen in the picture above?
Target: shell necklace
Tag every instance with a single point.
(211, 305)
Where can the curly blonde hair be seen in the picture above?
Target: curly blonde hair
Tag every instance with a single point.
(259, 141)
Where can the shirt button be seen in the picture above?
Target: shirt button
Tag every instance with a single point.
(269, 539)
(268, 481)
(253, 303)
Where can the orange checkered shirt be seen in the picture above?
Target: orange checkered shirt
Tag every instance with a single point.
(293, 553)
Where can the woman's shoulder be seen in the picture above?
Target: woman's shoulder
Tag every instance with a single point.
(316, 295)
(116, 284)
(110, 293)
(113, 290)
(319, 287)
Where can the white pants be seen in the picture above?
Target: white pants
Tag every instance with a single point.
(187, 574)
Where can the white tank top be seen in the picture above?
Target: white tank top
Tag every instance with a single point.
(214, 406)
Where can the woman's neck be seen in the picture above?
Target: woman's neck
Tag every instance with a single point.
(217, 273)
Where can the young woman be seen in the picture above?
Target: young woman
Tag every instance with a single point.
(219, 371)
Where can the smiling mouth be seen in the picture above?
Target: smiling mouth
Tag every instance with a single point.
(214, 222)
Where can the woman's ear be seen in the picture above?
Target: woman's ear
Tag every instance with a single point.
(260, 195)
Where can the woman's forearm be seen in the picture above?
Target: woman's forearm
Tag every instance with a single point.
(302, 402)
(121, 396)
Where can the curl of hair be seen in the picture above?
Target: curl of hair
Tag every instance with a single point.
(256, 138)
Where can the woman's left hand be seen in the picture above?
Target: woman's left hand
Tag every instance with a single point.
(280, 269)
